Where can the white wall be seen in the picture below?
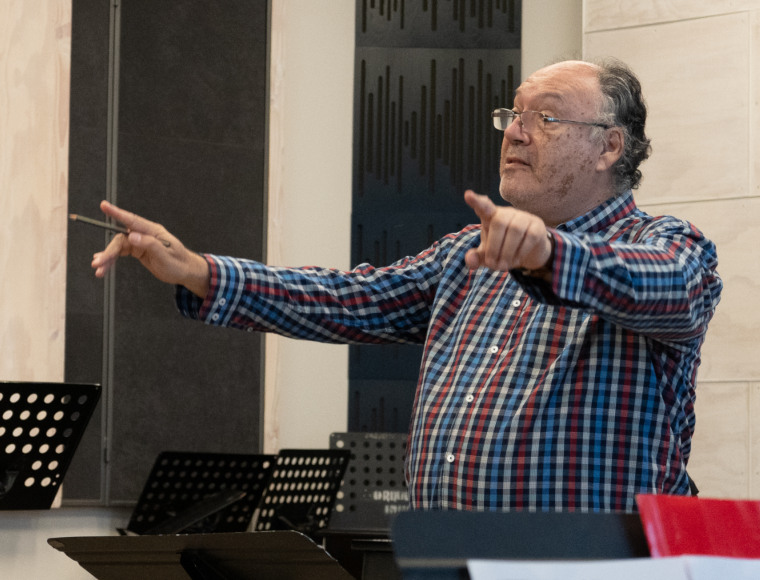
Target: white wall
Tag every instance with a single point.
(309, 215)
(551, 31)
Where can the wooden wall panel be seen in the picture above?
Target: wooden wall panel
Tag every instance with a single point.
(35, 41)
(697, 93)
(614, 14)
(720, 456)
(698, 61)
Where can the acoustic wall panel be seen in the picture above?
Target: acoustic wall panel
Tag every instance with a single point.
(428, 75)
(181, 116)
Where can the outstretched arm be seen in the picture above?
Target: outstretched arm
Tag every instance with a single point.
(161, 253)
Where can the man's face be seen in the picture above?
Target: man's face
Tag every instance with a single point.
(551, 170)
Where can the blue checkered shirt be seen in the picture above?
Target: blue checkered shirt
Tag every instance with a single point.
(574, 395)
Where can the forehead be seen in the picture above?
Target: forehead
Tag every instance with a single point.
(564, 85)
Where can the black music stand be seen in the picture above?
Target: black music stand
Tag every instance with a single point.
(372, 492)
(373, 489)
(41, 425)
(219, 556)
(192, 493)
(302, 491)
(437, 544)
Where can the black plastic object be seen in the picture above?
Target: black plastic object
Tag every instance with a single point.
(437, 544)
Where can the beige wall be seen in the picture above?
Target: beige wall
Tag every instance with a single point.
(35, 47)
(699, 62)
(309, 218)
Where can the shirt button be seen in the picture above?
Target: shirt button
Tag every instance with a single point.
(215, 317)
(249, 329)
(222, 301)
(450, 458)
(469, 398)
(515, 303)
(493, 349)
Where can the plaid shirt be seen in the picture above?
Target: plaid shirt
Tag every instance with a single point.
(570, 396)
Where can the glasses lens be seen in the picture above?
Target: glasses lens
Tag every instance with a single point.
(502, 118)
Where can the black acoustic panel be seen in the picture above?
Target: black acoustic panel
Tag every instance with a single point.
(157, 177)
(381, 239)
(191, 152)
(178, 400)
(423, 131)
(181, 480)
(194, 70)
(191, 136)
(380, 405)
(41, 425)
(373, 489)
(427, 77)
(302, 491)
(88, 131)
(399, 362)
(439, 23)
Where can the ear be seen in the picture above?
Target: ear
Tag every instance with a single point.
(613, 144)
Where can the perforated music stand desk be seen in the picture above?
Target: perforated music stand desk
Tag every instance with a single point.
(302, 490)
(41, 425)
(192, 492)
(373, 489)
(280, 555)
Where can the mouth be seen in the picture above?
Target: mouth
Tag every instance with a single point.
(511, 162)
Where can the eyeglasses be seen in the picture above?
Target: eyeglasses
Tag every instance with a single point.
(529, 120)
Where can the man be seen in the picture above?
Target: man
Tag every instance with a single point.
(562, 334)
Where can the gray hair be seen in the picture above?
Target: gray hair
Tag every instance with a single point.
(623, 106)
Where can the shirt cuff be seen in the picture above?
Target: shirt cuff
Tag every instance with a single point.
(196, 308)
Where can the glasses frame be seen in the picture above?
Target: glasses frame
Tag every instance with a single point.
(498, 114)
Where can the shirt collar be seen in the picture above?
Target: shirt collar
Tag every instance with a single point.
(602, 216)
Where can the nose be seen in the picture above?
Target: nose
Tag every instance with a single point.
(515, 131)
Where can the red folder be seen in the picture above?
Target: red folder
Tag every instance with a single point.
(678, 525)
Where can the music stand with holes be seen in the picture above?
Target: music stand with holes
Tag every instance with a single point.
(373, 489)
(41, 425)
(302, 491)
(190, 492)
(372, 492)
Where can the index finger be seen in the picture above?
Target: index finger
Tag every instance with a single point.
(134, 222)
(482, 205)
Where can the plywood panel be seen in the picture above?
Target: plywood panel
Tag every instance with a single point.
(35, 43)
(753, 123)
(754, 441)
(720, 448)
(695, 76)
(730, 351)
(609, 14)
